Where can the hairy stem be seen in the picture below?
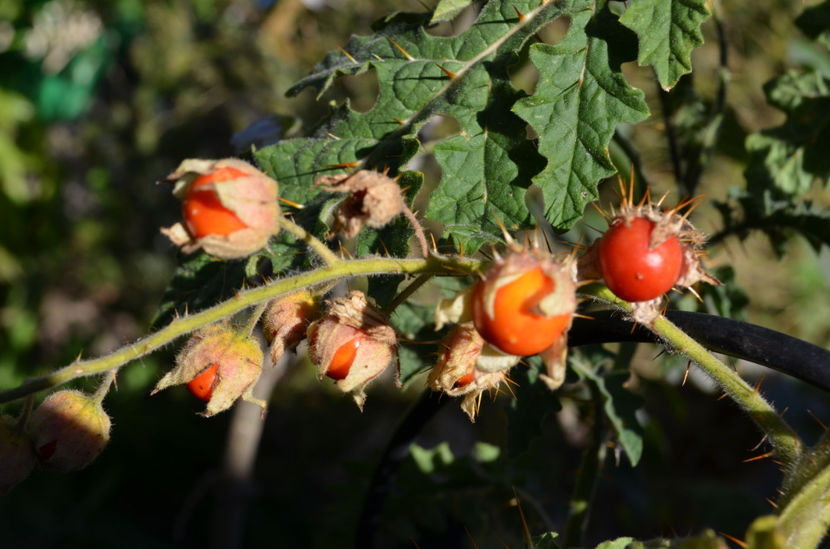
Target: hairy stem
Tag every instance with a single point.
(186, 324)
(785, 442)
(313, 242)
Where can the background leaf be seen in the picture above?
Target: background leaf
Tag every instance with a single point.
(668, 31)
(580, 99)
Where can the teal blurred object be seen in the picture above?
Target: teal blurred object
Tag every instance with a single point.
(68, 94)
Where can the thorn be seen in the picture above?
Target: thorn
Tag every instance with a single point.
(343, 165)
(734, 540)
(602, 212)
(520, 14)
(469, 535)
(686, 374)
(445, 71)
(403, 51)
(758, 385)
(291, 203)
(344, 52)
(434, 245)
(509, 388)
(460, 248)
(775, 505)
(415, 543)
(760, 442)
(694, 293)
(528, 538)
(399, 121)
(662, 198)
(758, 458)
(385, 249)
(507, 237)
(586, 317)
(721, 397)
(661, 353)
(332, 136)
(815, 417)
(378, 57)
(784, 411)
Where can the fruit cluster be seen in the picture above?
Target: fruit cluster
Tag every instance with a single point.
(522, 305)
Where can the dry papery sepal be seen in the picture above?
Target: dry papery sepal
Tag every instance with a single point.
(374, 200)
(238, 357)
(252, 197)
(669, 223)
(466, 352)
(346, 318)
(286, 320)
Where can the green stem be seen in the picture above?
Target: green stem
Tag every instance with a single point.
(313, 242)
(256, 314)
(186, 324)
(806, 517)
(408, 291)
(785, 442)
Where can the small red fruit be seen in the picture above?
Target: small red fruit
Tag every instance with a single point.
(464, 380)
(229, 207)
(203, 213)
(201, 386)
(634, 269)
(514, 323)
(342, 360)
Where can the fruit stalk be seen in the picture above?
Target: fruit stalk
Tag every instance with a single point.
(785, 442)
(186, 324)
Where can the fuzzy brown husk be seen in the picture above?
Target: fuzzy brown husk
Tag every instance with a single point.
(252, 198)
(346, 318)
(374, 200)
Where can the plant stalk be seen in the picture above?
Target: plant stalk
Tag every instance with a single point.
(189, 323)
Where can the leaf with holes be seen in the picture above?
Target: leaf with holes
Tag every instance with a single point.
(668, 32)
(787, 159)
(580, 99)
(490, 161)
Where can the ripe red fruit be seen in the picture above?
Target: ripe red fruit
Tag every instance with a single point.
(342, 360)
(634, 269)
(203, 213)
(201, 386)
(516, 325)
(464, 380)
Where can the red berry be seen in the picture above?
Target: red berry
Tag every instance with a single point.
(342, 360)
(631, 268)
(464, 380)
(201, 386)
(515, 326)
(203, 213)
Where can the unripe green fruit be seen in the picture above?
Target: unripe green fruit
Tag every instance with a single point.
(69, 430)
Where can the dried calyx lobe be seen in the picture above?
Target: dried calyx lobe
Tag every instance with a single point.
(345, 319)
(238, 359)
(247, 194)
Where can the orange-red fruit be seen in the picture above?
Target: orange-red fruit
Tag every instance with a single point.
(201, 386)
(203, 213)
(631, 267)
(342, 360)
(516, 327)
